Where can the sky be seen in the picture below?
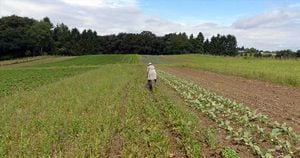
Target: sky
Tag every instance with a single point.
(262, 24)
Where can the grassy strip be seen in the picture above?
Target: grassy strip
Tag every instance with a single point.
(155, 59)
(96, 60)
(284, 72)
(45, 60)
(13, 80)
(21, 60)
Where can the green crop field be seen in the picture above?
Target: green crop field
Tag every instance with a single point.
(13, 80)
(285, 72)
(99, 106)
(95, 60)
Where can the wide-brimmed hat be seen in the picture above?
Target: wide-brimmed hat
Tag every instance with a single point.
(150, 63)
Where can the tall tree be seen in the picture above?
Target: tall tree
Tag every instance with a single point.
(14, 36)
(40, 35)
(61, 37)
(206, 47)
(230, 45)
(75, 38)
(197, 43)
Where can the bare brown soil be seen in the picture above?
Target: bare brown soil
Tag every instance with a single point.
(115, 146)
(280, 103)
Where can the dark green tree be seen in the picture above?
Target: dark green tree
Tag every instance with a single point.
(40, 35)
(21, 36)
(14, 39)
(62, 40)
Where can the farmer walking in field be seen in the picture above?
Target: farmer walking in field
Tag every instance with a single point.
(151, 76)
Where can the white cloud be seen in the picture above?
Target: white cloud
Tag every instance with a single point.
(102, 3)
(24, 8)
(277, 29)
(271, 19)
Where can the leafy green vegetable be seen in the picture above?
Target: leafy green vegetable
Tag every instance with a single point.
(227, 152)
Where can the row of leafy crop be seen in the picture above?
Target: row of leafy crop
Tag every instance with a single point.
(192, 138)
(265, 137)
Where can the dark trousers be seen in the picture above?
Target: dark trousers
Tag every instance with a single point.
(150, 86)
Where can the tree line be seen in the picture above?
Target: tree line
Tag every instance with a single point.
(23, 36)
(279, 54)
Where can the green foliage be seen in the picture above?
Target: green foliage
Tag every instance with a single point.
(227, 152)
(177, 44)
(211, 138)
(221, 45)
(40, 35)
(22, 36)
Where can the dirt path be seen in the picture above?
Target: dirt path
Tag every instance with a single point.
(280, 103)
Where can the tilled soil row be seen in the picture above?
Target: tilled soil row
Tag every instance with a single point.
(278, 102)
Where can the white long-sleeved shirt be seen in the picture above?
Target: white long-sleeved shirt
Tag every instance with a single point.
(151, 72)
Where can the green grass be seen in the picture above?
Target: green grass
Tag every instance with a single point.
(284, 72)
(29, 73)
(155, 59)
(229, 153)
(94, 60)
(21, 60)
(13, 80)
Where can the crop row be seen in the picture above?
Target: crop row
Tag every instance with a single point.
(265, 137)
